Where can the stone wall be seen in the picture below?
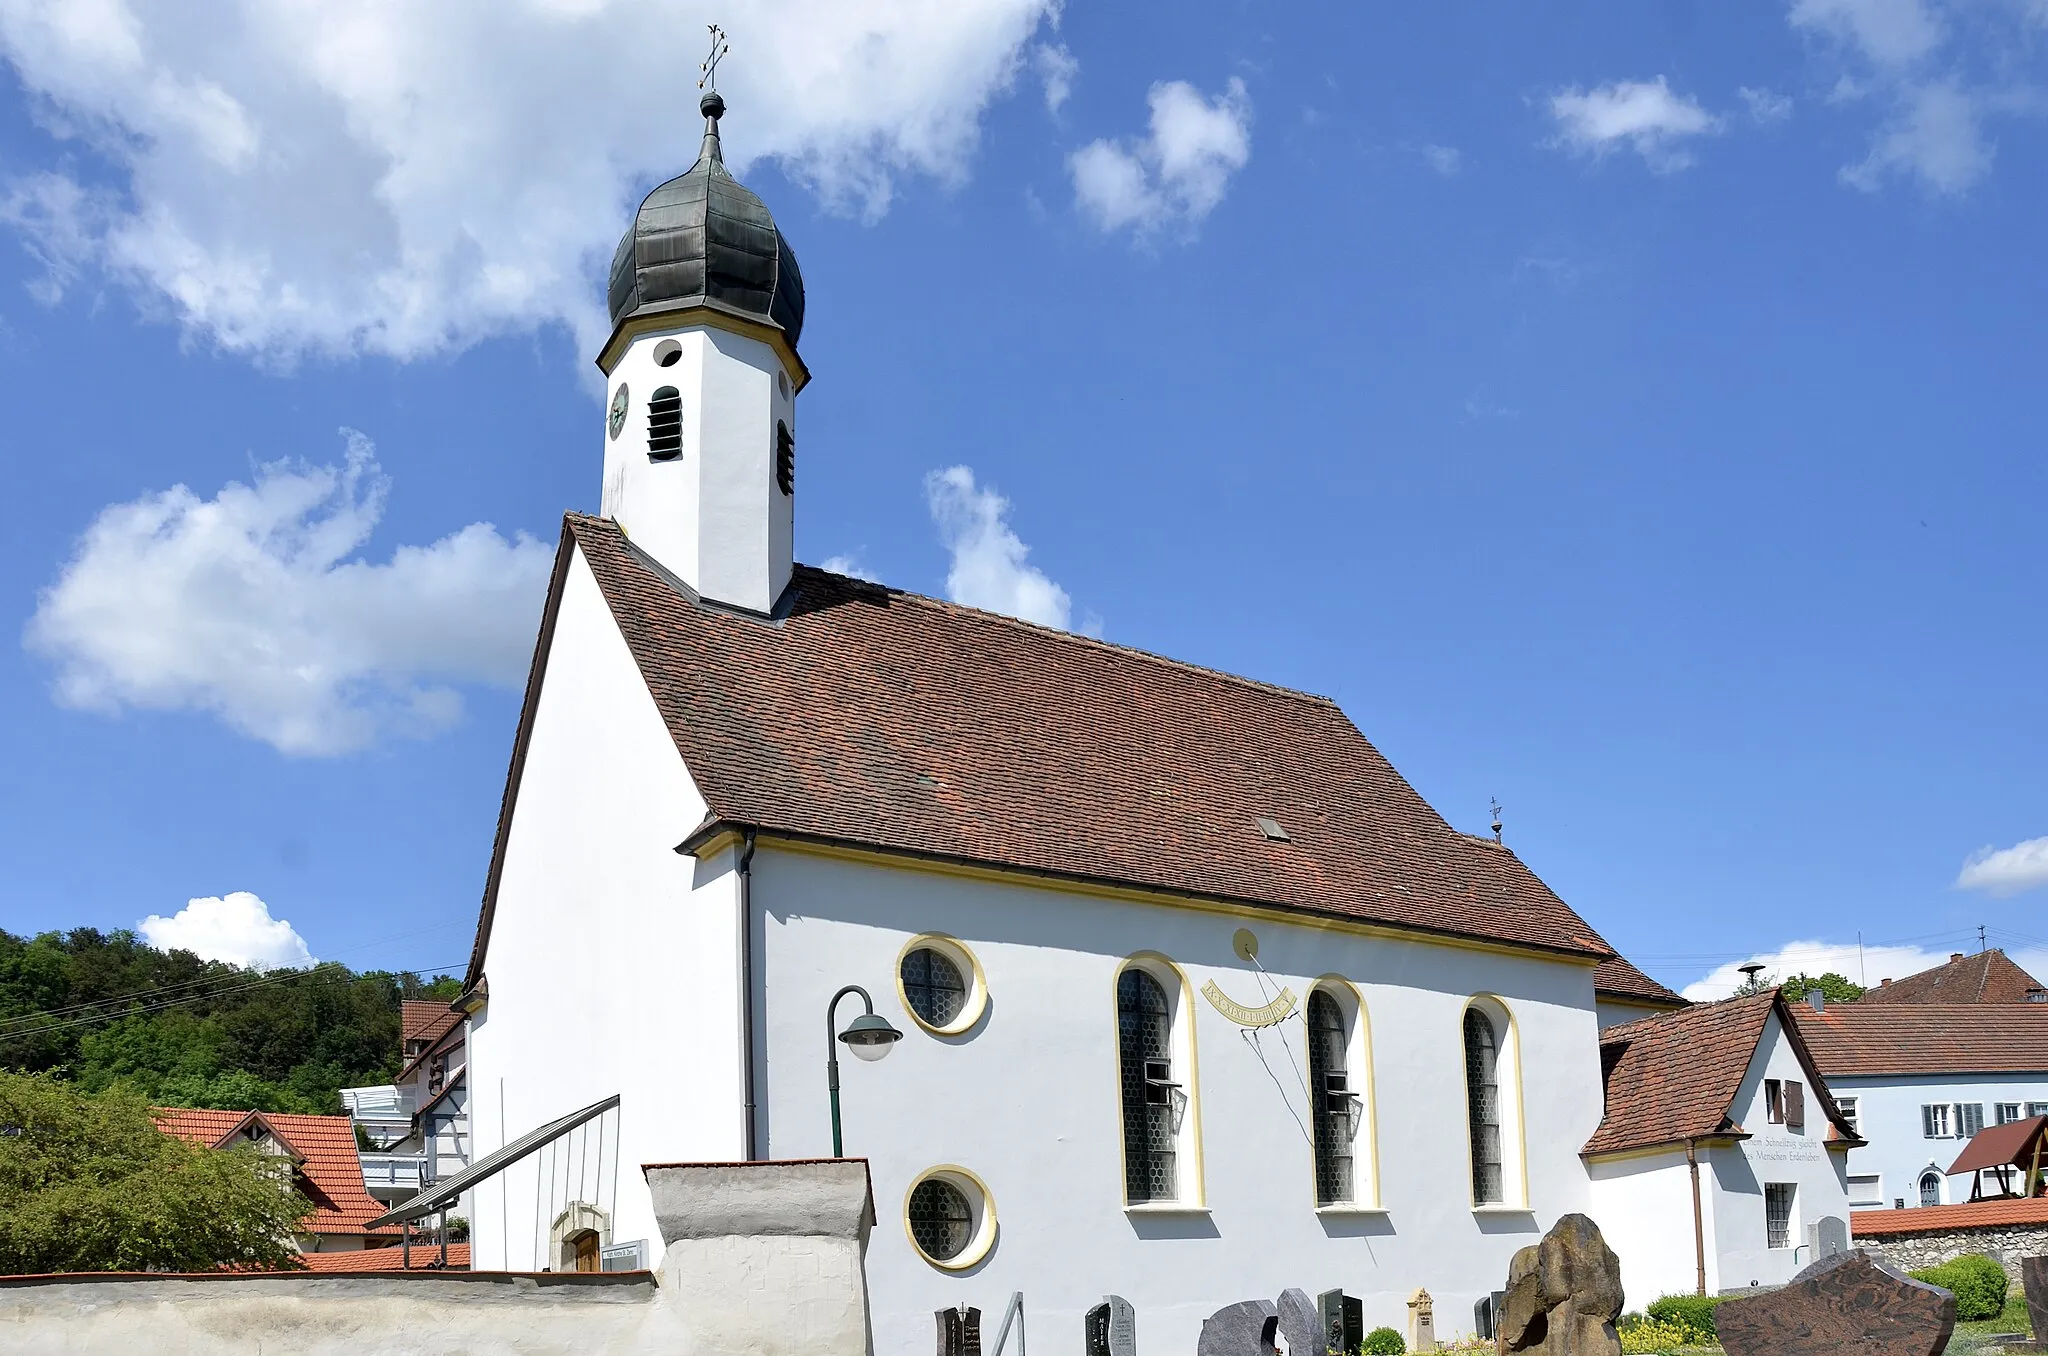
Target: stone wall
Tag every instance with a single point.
(765, 1259)
(2007, 1243)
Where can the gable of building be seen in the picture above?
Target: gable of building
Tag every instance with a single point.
(1987, 977)
(330, 1173)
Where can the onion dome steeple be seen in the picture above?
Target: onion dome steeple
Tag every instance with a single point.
(705, 239)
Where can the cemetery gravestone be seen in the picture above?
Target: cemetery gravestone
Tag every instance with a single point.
(959, 1331)
(1849, 1302)
(1421, 1321)
(2034, 1281)
(1243, 1329)
(1112, 1328)
(1343, 1321)
(1301, 1324)
(1563, 1294)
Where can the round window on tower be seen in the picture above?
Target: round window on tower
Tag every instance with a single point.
(782, 384)
(941, 984)
(667, 353)
(950, 1217)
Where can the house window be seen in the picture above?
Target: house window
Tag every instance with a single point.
(785, 458)
(1778, 1197)
(665, 424)
(1774, 1101)
(2037, 1108)
(1934, 1122)
(2008, 1112)
(1866, 1190)
(1482, 1106)
(1152, 1098)
(932, 986)
(1930, 1187)
(437, 1072)
(941, 1220)
(1336, 1107)
(1969, 1119)
(1847, 1106)
(1795, 1106)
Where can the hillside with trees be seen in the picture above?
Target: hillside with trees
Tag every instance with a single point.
(105, 1010)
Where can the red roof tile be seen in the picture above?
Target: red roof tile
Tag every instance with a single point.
(330, 1172)
(426, 1021)
(391, 1258)
(1855, 1039)
(1929, 1218)
(1987, 977)
(1615, 977)
(1675, 1076)
(869, 716)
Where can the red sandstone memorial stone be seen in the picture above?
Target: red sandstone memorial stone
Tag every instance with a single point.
(1850, 1302)
(2034, 1280)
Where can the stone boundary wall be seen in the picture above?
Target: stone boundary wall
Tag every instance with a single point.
(2005, 1242)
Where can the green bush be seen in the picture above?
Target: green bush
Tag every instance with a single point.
(1692, 1311)
(1383, 1342)
(1647, 1336)
(1978, 1283)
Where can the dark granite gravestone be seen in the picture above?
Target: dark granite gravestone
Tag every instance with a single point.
(1243, 1329)
(1563, 1294)
(1849, 1302)
(959, 1331)
(1343, 1321)
(1112, 1328)
(1301, 1324)
(2034, 1281)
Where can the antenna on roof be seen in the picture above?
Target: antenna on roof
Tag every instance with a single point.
(1495, 803)
(1980, 939)
(707, 70)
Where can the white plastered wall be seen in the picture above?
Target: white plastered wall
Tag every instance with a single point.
(1899, 1151)
(612, 960)
(1644, 1207)
(1027, 1099)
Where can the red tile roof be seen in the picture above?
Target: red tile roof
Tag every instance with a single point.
(865, 715)
(1674, 1077)
(1937, 1218)
(330, 1173)
(390, 1258)
(1987, 977)
(1859, 1039)
(426, 1021)
(1615, 977)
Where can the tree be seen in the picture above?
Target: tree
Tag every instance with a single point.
(88, 1183)
(1833, 987)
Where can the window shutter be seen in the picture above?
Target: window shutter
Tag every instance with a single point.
(1969, 1118)
(1927, 1122)
(1795, 1107)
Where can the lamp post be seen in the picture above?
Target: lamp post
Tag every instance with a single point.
(868, 1036)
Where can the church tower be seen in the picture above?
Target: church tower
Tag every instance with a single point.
(701, 378)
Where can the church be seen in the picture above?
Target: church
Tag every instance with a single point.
(1123, 975)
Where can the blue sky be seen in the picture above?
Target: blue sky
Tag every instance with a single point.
(1628, 412)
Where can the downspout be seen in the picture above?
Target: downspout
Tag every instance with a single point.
(1699, 1235)
(747, 996)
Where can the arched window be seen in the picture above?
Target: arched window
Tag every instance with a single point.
(665, 425)
(1930, 1187)
(1482, 1106)
(1151, 1096)
(1335, 1106)
(785, 458)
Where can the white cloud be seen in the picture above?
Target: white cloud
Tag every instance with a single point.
(850, 566)
(1056, 68)
(2001, 872)
(989, 568)
(1178, 172)
(1866, 966)
(1889, 32)
(252, 605)
(1936, 137)
(1766, 105)
(407, 179)
(1643, 115)
(236, 928)
(1445, 160)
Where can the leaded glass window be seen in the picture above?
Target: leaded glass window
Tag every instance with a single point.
(1482, 1104)
(1336, 1107)
(1144, 1022)
(941, 1220)
(933, 986)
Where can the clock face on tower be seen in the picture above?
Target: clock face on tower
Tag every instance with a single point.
(619, 402)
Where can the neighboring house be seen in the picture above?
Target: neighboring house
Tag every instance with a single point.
(418, 1126)
(1203, 1000)
(1919, 1079)
(1622, 993)
(1720, 1161)
(1987, 977)
(325, 1168)
(424, 1256)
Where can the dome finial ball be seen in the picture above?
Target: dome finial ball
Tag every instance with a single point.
(711, 105)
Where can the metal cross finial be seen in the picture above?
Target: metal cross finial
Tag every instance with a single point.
(1495, 803)
(708, 70)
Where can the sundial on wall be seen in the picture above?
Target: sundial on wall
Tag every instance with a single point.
(1268, 1014)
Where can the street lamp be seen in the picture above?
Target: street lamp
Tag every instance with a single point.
(868, 1036)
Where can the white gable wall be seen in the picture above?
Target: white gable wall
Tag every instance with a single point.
(1028, 1100)
(611, 969)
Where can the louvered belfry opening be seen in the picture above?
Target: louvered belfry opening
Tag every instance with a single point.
(1144, 1021)
(1482, 1092)
(785, 458)
(665, 425)
(1328, 1046)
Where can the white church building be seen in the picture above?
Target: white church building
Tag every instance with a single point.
(1197, 998)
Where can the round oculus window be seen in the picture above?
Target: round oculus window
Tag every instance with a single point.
(933, 986)
(941, 1219)
(667, 353)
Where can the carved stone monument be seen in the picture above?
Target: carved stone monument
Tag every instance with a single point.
(959, 1331)
(1343, 1321)
(1243, 1329)
(1849, 1302)
(1564, 1294)
(1421, 1321)
(2034, 1282)
(1301, 1324)
(1112, 1328)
